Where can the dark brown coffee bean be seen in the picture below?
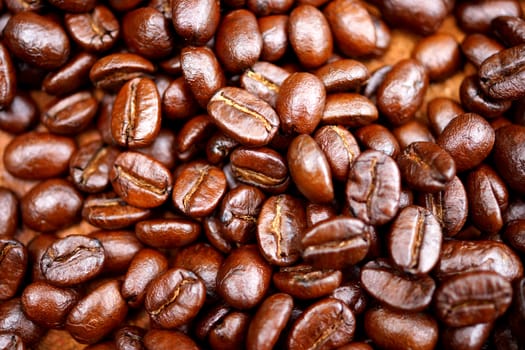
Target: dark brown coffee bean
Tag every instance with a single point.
(163, 340)
(514, 234)
(375, 80)
(145, 266)
(198, 189)
(9, 216)
(343, 75)
(471, 298)
(476, 16)
(71, 76)
(38, 155)
(468, 337)
(163, 148)
(274, 37)
(129, 337)
(353, 295)
(11, 341)
(8, 78)
(13, 320)
(395, 289)
(50, 51)
(21, 115)
(373, 188)
(349, 109)
(396, 330)
(109, 212)
(94, 31)
(48, 305)
(174, 298)
(309, 330)
(36, 249)
(460, 257)
(263, 8)
(71, 114)
(310, 36)
(475, 100)
(72, 260)
(469, 139)
(148, 33)
(439, 54)
(379, 138)
(401, 93)
(440, 111)
(111, 72)
(412, 131)
(140, 180)
(167, 233)
(224, 328)
(415, 240)
(306, 282)
(13, 263)
(264, 80)
(119, 249)
(509, 29)
(421, 18)
(74, 5)
(478, 47)
(51, 205)
(509, 155)
(247, 286)
(178, 101)
(426, 167)
(192, 136)
(195, 21)
(97, 314)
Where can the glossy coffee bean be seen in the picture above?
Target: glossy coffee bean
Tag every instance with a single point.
(514, 234)
(71, 76)
(164, 340)
(274, 37)
(476, 16)
(8, 82)
(72, 260)
(178, 101)
(475, 100)
(97, 314)
(508, 156)
(14, 263)
(468, 337)
(264, 80)
(140, 180)
(439, 54)
(478, 47)
(316, 213)
(14, 320)
(195, 21)
(11, 341)
(71, 114)
(343, 75)
(349, 109)
(412, 131)
(167, 233)
(129, 337)
(9, 217)
(111, 72)
(379, 138)
(192, 136)
(501, 75)
(174, 298)
(440, 111)
(119, 249)
(21, 115)
(306, 282)
(224, 328)
(162, 149)
(373, 188)
(509, 29)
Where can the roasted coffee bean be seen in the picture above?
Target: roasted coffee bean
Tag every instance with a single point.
(97, 314)
(439, 54)
(349, 109)
(72, 260)
(412, 131)
(415, 240)
(469, 139)
(460, 257)
(397, 331)
(212, 229)
(353, 295)
(129, 337)
(47, 305)
(395, 289)
(375, 80)
(468, 337)
(192, 136)
(74, 6)
(111, 72)
(471, 298)
(263, 8)
(145, 266)
(426, 167)
(309, 35)
(167, 233)
(306, 282)
(11, 341)
(94, 31)
(244, 278)
(440, 111)
(509, 156)
(315, 213)
(14, 320)
(8, 78)
(260, 167)
(264, 80)
(163, 148)
(223, 328)
(269, 321)
(243, 116)
(309, 330)
(478, 47)
(174, 298)
(21, 115)
(343, 75)
(13, 263)
(373, 188)
(71, 76)
(9, 216)
(178, 101)
(50, 51)
(119, 249)
(163, 340)
(195, 21)
(475, 100)
(477, 16)
(274, 37)
(140, 180)
(509, 29)
(335, 243)
(379, 138)
(71, 114)
(514, 234)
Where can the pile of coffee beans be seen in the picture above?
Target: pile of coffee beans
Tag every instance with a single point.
(234, 174)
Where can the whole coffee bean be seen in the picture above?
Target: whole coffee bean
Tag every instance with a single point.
(469, 139)
(247, 286)
(352, 26)
(375, 80)
(310, 36)
(468, 337)
(343, 75)
(167, 233)
(421, 18)
(136, 115)
(140, 180)
(223, 328)
(195, 21)
(310, 170)
(163, 340)
(478, 47)
(178, 101)
(439, 54)
(38, 155)
(8, 81)
(163, 148)
(353, 295)
(174, 298)
(426, 167)
(9, 216)
(119, 249)
(110, 212)
(309, 330)
(71, 76)
(71, 114)
(394, 330)
(11, 341)
(475, 100)
(274, 37)
(440, 111)
(47, 305)
(476, 16)
(243, 116)
(306, 282)
(212, 229)
(514, 234)
(145, 266)
(111, 72)
(21, 115)
(509, 29)
(415, 240)
(509, 156)
(260, 167)
(238, 42)
(401, 93)
(374, 188)
(400, 291)
(129, 337)
(263, 8)
(72, 260)
(349, 109)
(264, 80)
(148, 33)
(37, 40)
(13, 263)
(280, 226)
(14, 320)
(316, 213)
(36, 249)
(269, 321)
(94, 31)
(471, 298)
(335, 243)
(379, 138)
(51, 205)
(198, 189)
(192, 136)
(97, 314)
(460, 257)
(412, 131)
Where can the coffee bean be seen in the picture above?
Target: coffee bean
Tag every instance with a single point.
(509, 29)
(306, 282)
(264, 80)
(71, 76)
(195, 21)
(21, 115)
(192, 136)
(14, 262)
(478, 47)
(167, 233)
(129, 337)
(412, 131)
(11, 341)
(111, 72)
(224, 328)
(379, 138)
(476, 17)
(8, 81)
(119, 249)
(9, 217)
(71, 114)
(514, 234)
(274, 37)
(439, 54)
(164, 340)
(343, 75)
(475, 100)
(468, 337)
(349, 109)
(14, 320)
(508, 155)
(440, 111)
